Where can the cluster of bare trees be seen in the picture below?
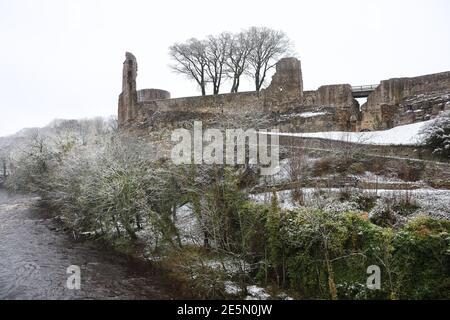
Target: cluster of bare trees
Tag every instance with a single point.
(227, 56)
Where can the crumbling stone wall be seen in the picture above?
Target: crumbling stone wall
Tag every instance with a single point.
(287, 83)
(128, 97)
(406, 100)
(332, 107)
(284, 102)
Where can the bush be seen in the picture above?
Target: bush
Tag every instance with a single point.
(329, 252)
(421, 259)
(322, 166)
(357, 168)
(437, 135)
(114, 190)
(365, 201)
(410, 171)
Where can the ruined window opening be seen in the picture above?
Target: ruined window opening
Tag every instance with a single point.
(361, 102)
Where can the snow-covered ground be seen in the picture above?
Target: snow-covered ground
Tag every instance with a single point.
(254, 292)
(304, 115)
(370, 177)
(312, 114)
(401, 135)
(188, 226)
(432, 202)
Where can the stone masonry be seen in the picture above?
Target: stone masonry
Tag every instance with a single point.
(285, 103)
(406, 100)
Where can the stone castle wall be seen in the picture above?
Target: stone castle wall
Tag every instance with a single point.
(286, 105)
(284, 102)
(406, 100)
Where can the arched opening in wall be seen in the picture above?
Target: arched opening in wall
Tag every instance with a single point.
(361, 102)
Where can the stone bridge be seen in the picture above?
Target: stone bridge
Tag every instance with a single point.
(363, 91)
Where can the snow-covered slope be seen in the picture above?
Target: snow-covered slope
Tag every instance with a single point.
(401, 135)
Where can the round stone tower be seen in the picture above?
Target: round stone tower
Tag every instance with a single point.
(152, 94)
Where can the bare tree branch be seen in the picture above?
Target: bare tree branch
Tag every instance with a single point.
(190, 60)
(268, 46)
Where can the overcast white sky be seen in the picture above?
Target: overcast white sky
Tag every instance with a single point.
(63, 58)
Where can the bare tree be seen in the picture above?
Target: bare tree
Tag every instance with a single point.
(237, 62)
(216, 57)
(267, 47)
(190, 60)
(297, 169)
(112, 124)
(84, 127)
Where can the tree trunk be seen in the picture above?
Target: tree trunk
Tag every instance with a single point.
(236, 86)
(331, 283)
(203, 89)
(206, 240)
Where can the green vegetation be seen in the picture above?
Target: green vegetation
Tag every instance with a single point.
(113, 190)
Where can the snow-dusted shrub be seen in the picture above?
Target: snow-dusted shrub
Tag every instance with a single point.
(392, 210)
(383, 214)
(353, 291)
(33, 166)
(437, 135)
(337, 206)
(103, 185)
(364, 200)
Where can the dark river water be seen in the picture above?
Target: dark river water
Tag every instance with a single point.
(35, 255)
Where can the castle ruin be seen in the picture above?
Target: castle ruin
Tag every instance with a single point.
(291, 109)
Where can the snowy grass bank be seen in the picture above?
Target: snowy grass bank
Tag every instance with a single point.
(402, 135)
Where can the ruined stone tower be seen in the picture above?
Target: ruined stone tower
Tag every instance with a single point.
(131, 100)
(128, 97)
(287, 82)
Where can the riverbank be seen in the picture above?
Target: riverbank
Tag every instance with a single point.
(35, 253)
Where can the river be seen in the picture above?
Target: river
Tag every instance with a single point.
(35, 254)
